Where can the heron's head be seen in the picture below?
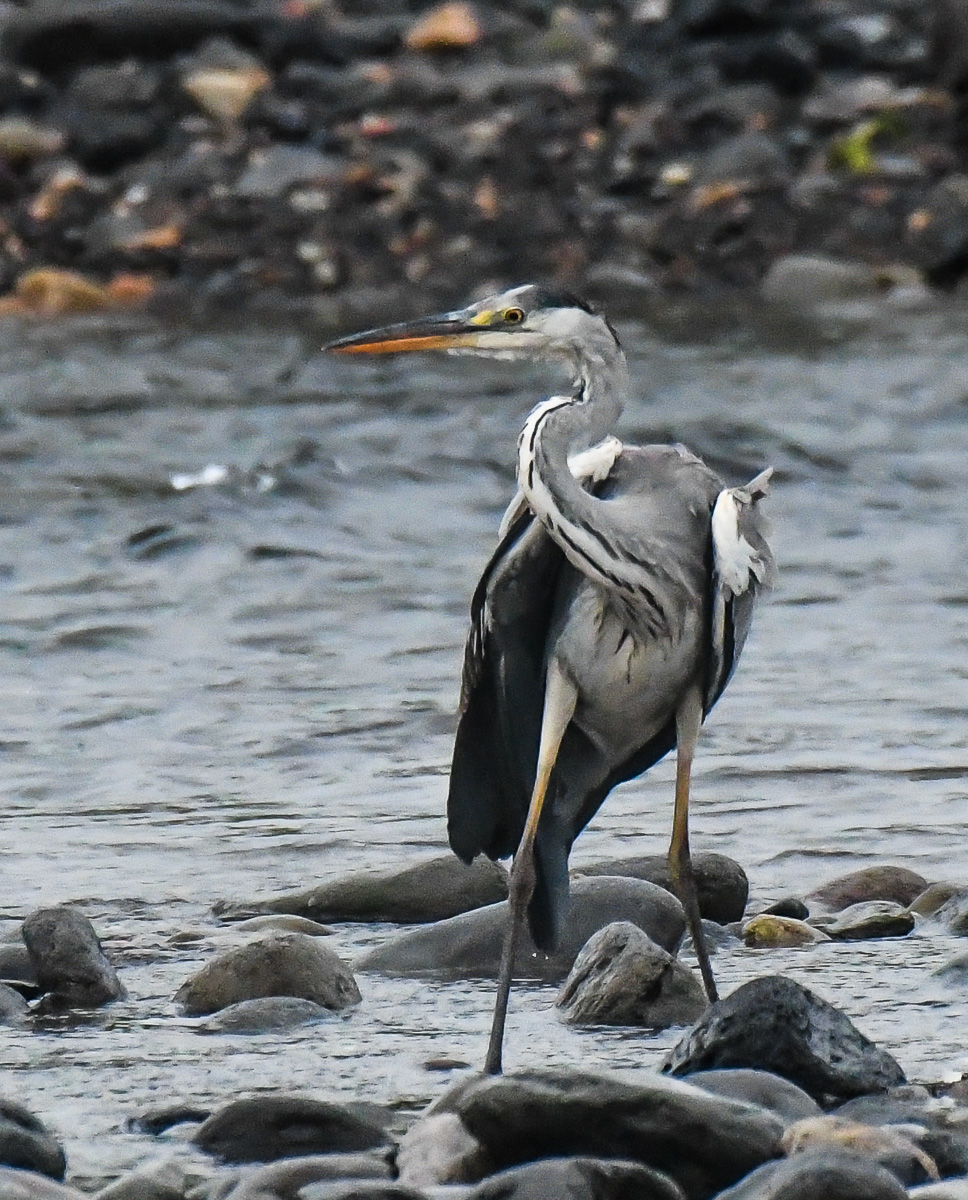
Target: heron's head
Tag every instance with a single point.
(527, 322)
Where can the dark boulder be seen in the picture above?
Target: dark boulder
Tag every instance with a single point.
(579, 1179)
(720, 881)
(71, 968)
(27, 1144)
(775, 1024)
(264, 1128)
(469, 946)
(819, 1175)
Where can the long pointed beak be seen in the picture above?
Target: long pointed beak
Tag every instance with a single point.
(445, 331)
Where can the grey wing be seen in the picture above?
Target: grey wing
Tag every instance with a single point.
(502, 693)
(742, 564)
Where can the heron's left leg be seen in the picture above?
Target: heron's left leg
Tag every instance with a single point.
(560, 699)
(688, 723)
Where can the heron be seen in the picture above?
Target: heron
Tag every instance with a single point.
(606, 624)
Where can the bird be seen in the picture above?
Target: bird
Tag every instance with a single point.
(606, 624)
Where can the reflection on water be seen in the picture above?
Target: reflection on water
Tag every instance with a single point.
(249, 685)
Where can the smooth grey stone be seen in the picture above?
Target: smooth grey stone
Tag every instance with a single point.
(264, 1128)
(71, 968)
(264, 1014)
(277, 964)
(579, 1179)
(703, 1142)
(779, 1095)
(166, 1180)
(291, 1175)
(954, 914)
(16, 964)
(819, 1175)
(721, 882)
(469, 946)
(886, 882)
(621, 977)
(427, 891)
(871, 919)
(775, 1024)
(18, 1184)
(13, 1007)
(27, 1143)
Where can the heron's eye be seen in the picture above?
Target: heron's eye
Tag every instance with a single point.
(513, 316)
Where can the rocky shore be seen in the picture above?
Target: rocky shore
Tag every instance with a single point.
(770, 1093)
(360, 159)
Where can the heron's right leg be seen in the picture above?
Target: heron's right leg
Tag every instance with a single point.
(688, 724)
(560, 699)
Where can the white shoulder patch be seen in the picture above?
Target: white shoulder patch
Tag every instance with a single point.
(596, 462)
(735, 558)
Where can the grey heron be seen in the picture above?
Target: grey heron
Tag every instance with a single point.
(606, 624)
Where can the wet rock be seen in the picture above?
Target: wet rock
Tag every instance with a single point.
(819, 1175)
(291, 1175)
(775, 1024)
(701, 1141)
(27, 1144)
(277, 964)
(16, 965)
(771, 932)
(25, 1185)
(887, 882)
(13, 1007)
(720, 881)
(165, 1180)
(933, 898)
(70, 965)
(428, 891)
(773, 1092)
(439, 1149)
(259, 1016)
(871, 919)
(579, 1179)
(789, 906)
(954, 914)
(890, 1147)
(621, 977)
(469, 946)
(265, 1128)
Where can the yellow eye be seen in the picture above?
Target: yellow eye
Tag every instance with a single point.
(513, 316)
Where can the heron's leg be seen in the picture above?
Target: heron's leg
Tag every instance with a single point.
(688, 722)
(561, 695)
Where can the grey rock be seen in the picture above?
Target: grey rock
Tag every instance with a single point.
(265, 1128)
(701, 1141)
(291, 1175)
(779, 1095)
(427, 891)
(438, 1149)
(13, 1007)
(469, 946)
(579, 1179)
(871, 919)
(363, 1189)
(746, 157)
(265, 1013)
(274, 169)
(954, 971)
(278, 964)
(933, 898)
(70, 966)
(27, 1144)
(165, 1180)
(720, 881)
(621, 977)
(954, 914)
(819, 1175)
(775, 1024)
(800, 281)
(283, 923)
(886, 882)
(16, 1184)
(16, 965)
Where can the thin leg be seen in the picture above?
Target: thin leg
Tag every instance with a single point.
(561, 696)
(688, 722)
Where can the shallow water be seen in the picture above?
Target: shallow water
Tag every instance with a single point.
(236, 688)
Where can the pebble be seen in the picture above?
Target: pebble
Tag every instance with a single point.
(469, 945)
(773, 1023)
(276, 964)
(431, 890)
(621, 977)
(269, 1127)
(71, 968)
